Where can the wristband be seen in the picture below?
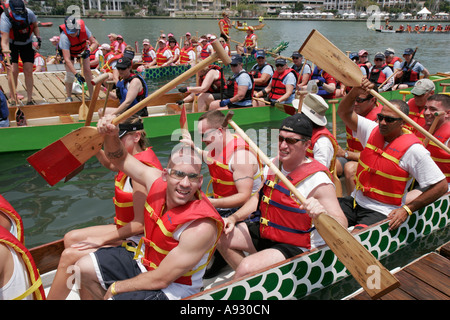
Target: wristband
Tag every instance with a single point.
(407, 209)
(113, 288)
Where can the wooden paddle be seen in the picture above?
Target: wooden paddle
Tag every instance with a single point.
(336, 180)
(83, 111)
(288, 109)
(437, 117)
(57, 160)
(349, 251)
(328, 57)
(20, 116)
(98, 84)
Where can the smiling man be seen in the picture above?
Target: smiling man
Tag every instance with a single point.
(285, 228)
(181, 232)
(390, 159)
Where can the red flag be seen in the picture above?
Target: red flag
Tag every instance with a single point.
(183, 119)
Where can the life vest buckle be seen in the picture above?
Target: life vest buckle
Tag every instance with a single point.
(264, 221)
(270, 184)
(265, 199)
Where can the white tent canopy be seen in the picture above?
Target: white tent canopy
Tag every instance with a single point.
(424, 11)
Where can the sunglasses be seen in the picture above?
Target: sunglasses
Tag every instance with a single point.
(207, 133)
(361, 100)
(290, 140)
(295, 58)
(233, 65)
(387, 119)
(180, 175)
(279, 65)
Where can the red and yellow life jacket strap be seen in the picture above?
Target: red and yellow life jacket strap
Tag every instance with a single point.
(30, 290)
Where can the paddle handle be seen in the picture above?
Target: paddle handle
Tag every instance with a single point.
(437, 116)
(10, 75)
(218, 54)
(409, 120)
(100, 79)
(264, 158)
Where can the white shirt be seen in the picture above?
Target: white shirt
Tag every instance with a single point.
(416, 161)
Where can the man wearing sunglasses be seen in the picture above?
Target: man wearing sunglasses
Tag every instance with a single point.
(17, 26)
(285, 226)
(181, 231)
(391, 158)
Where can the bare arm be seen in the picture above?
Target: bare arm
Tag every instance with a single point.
(194, 242)
(133, 90)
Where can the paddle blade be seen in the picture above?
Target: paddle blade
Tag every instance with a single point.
(328, 57)
(65, 155)
(183, 119)
(364, 267)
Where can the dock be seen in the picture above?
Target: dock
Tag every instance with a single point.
(427, 278)
(48, 87)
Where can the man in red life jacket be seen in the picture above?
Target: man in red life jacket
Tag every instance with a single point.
(285, 227)
(17, 26)
(366, 106)
(181, 231)
(439, 103)
(390, 159)
(391, 60)
(73, 43)
(422, 90)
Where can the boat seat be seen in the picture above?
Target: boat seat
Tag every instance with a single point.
(66, 118)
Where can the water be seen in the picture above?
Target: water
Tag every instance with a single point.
(50, 212)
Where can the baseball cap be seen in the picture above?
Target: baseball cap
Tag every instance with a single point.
(379, 55)
(17, 6)
(280, 61)
(362, 52)
(260, 53)
(236, 59)
(389, 51)
(296, 54)
(129, 127)
(146, 41)
(353, 55)
(298, 123)
(105, 46)
(72, 25)
(408, 51)
(423, 86)
(123, 63)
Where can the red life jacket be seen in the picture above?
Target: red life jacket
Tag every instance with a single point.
(146, 57)
(219, 168)
(107, 66)
(205, 53)
(225, 27)
(173, 51)
(317, 133)
(184, 55)
(160, 226)
(409, 75)
(8, 209)
(20, 30)
(440, 156)
(123, 200)
(281, 219)
(377, 75)
(278, 87)
(394, 60)
(248, 40)
(417, 116)
(215, 86)
(92, 58)
(160, 58)
(353, 144)
(7, 239)
(378, 174)
(77, 44)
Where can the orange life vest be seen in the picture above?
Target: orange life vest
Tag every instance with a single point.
(394, 60)
(77, 44)
(379, 175)
(417, 116)
(219, 168)
(353, 143)
(36, 288)
(281, 219)
(173, 51)
(248, 40)
(160, 226)
(123, 200)
(184, 55)
(92, 58)
(160, 58)
(317, 133)
(440, 156)
(107, 66)
(278, 87)
(225, 27)
(8, 209)
(146, 57)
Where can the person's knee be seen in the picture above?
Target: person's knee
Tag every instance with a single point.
(245, 267)
(69, 78)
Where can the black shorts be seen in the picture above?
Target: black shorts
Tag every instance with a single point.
(26, 53)
(358, 216)
(117, 263)
(260, 244)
